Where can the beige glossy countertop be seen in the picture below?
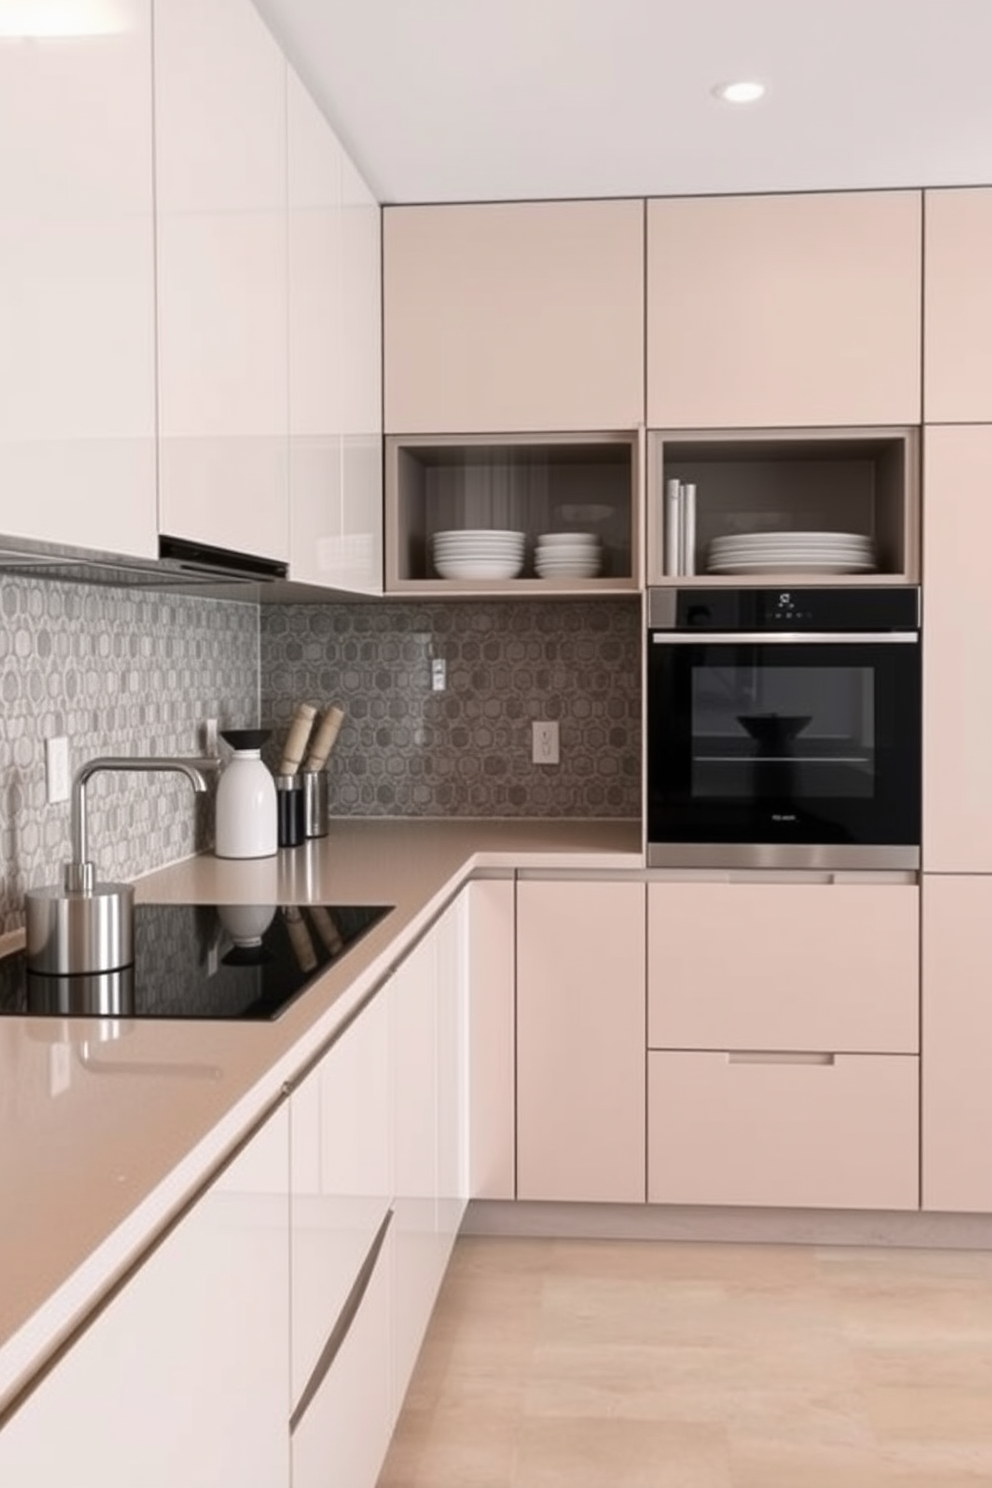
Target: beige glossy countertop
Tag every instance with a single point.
(104, 1139)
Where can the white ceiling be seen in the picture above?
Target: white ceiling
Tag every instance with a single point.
(455, 100)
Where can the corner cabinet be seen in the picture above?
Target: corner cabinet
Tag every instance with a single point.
(220, 181)
(77, 289)
(183, 1377)
(523, 316)
(784, 311)
(580, 1040)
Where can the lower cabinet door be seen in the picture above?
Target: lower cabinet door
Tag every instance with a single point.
(793, 1130)
(183, 1380)
(342, 1436)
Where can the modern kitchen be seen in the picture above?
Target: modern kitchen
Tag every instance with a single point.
(492, 763)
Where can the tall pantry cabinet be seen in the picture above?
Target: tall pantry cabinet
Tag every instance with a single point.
(957, 628)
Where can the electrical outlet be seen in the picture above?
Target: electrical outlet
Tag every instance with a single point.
(57, 769)
(208, 733)
(439, 674)
(544, 743)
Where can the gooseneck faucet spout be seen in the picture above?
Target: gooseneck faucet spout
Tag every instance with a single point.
(80, 874)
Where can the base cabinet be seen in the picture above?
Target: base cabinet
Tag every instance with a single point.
(184, 1377)
(580, 1041)
(957, 1042)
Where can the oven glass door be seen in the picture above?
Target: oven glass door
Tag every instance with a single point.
(783, 742)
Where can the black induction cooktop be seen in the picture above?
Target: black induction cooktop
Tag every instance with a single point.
(228, 962)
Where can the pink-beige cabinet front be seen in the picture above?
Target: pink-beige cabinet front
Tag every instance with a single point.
(184, 1377)
(513, 317)
(580, 1040)
(77, 279)
(221, 227)
(957, 643)
(957, 1042)
(784, 1038)
(957, 339)
(784, 311)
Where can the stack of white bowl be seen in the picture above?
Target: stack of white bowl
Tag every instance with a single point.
(478, 553)
(568, 555)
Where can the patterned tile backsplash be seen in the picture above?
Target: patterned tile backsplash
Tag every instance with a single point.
(406, 750)
(124, 672)
(120, 672)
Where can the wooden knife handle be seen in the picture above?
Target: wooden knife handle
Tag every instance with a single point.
(324, 739)
(295, 746)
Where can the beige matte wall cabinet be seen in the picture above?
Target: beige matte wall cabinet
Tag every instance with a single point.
(784, 311)
(957, 341)
(514, 317)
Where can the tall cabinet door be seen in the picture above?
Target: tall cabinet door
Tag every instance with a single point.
(957, 644)
(316, 352)
(359, 566)
(220, 160)
(581, 992)
(768, 311)
(957, 1043)
(514, 317)
(957, 344)
(77, 289)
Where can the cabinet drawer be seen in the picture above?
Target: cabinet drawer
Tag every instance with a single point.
(784, 966)
(795, 1131)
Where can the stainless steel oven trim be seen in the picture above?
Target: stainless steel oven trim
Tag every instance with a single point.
(787, 638)
(780, 855)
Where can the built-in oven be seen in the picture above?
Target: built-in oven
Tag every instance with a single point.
(784, 728)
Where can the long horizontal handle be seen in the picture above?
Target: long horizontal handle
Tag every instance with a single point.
(786, 638)
(777, 1056)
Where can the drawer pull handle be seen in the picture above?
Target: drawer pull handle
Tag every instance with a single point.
(773, 1056)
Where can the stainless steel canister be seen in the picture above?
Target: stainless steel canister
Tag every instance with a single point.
(315, 802)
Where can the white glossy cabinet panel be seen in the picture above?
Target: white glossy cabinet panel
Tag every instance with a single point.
(829, 967)
(581, 1041)
(451, 939)
(957, 1042)
(220, 155)
(957, 642)
(492, 1039)
(184, 1377)
(342, 1440)
(957, 340)
(341, 1122)
(77, 296)
(360, 566)
(784, 311)
(514, 316)
(781, 1129)
(316, 353)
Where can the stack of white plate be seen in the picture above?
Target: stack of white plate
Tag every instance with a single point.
(792, 552)
(478, 553)
(568, 555)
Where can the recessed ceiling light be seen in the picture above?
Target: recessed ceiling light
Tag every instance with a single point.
(740, 92)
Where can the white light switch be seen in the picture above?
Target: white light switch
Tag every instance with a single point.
(544, 743)
(57, 769)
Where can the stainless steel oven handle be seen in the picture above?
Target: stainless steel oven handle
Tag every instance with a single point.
(784, 638)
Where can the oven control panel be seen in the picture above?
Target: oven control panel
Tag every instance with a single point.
(796, 609)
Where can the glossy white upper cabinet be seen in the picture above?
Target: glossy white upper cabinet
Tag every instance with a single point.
(514, 317)
(316, 408)
(77, 330)
(184, 1377)
(784, 311)
(335, 359)
(957, 343)
(220, 160)
(359, 565)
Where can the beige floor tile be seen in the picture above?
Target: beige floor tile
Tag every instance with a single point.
(565, 1453)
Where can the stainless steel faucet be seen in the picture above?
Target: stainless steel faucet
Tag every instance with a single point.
(80, 873)
(81, 926)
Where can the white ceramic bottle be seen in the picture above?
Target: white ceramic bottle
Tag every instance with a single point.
(245, 823)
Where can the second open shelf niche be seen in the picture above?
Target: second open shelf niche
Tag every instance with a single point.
(863, 481)
(525, 483)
